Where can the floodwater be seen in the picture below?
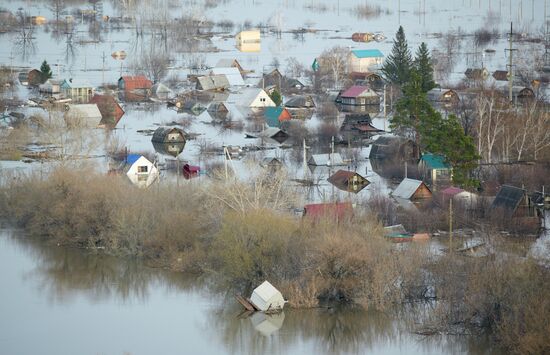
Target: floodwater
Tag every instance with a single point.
(63, 301)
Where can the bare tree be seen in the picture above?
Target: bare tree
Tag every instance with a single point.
(333, 65)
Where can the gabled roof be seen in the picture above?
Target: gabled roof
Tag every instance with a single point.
(136, 82)
(227, 63)
(233, 75)
(332, 159)
(451, 191)
(161, 133)
(246, 96)
(85, 111)
(346, 180)
(407, 188)
(434, 161)
(132, 158)
(212, 82)
(357, 90)
(299, 101)
(508, 198)
(272, 115)
(367, 53)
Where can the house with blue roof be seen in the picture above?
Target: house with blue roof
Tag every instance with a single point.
(274, 116)
(365, 60)
(140, 170)
(434, 168)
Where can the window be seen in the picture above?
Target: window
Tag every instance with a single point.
(262, 99)
(142, 169)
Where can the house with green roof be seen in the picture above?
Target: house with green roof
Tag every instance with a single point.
(434, 168)
(274, 116)
(365, 60)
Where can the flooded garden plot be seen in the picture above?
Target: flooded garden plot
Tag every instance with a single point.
(284, 115)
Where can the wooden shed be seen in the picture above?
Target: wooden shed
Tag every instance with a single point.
(168, 135)
(348, 181)
(129, 83)
(111, 111)
(414, 190)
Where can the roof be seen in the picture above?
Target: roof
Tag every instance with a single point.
(161, 133)
(246, 97)
(213, 82)
(136, 82)
(508, 198)
(160, 88)
(233, 75)
(434, 161)
(226, 63)
(356, 91)
(348, 181)
(132, 158)
(367, 53)
(85, 110)
(407, 188)
(391, 147)
(451, 191)
(333, 159)
(335, 210)
(271, 115)
(76, 83)
(300, 101)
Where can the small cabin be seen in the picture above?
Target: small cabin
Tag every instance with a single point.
(434, 168)
(249, 36)
(140, 170)
(230, 63)
(212, 82)
(111, 111)
(34, 77)
(51, 87)
(218, 110)
(138, 82)
(267, 298)
(348, 181)
(413, 190)
(445, 97)
(359, 96)
(232, 74)
(300, 101)
(76, 88)
(476, 73)
(365, 60)
(82, 116)
(168, 135)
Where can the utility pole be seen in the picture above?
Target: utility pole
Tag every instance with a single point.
(103, 70)
(451, 225)
(385, 109)
(511, 67)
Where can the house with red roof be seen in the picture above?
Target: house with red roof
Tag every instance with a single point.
(138, 82)
(358, 96)
(332, 210)
(111, 111)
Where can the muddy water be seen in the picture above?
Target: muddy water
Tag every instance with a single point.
(62, 301)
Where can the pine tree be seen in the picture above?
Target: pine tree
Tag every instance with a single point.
(423, 65)
(276, 97)
(46, 71)
(397, 66)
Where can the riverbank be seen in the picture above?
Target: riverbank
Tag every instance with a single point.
(240, 234)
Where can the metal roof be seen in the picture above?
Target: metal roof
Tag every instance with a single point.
(332, 159)
(76, 83)
(212, 82)
(407, 188)
(85, 111)
(356, 91)
(132, 158)
(367, 53)
(508, 198)
(233, 75)
(434, 161)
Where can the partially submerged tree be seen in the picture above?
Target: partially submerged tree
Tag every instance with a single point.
(423, 65)
(397, 66)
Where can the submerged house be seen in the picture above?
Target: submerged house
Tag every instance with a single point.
(168, 135)
(365, 60)
(267, 298)
(140, 170)
(34, 77)
(212, 82)
(138, 82)
(275, 116)
(514, 202)
(358, 126)
(348, 181)
(192, 107)
(111, 111)
(331, 159)
(51, 87)
(359, 96)
(476, 73)
(218, 110)
(230, 63)
(434, 168)
(232, 74)
(161, 91)
(75, 88)
(300, 101)
(413, 190)
(445, 97)
(251, 98)
(82, 116)
(248, 36)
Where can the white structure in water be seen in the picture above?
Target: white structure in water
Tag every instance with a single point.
(141, 171)
(267, 298)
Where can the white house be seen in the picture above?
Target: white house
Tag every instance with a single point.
(51, 87)
(267, 298)
(251, 97)
(140, 170)
(365, 60)
(77, 88)
(82, 115)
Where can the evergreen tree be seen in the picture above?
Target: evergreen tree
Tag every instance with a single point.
(416, 118)
(423, 65)
(276, 97)
(397, 66)
(46, 71)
